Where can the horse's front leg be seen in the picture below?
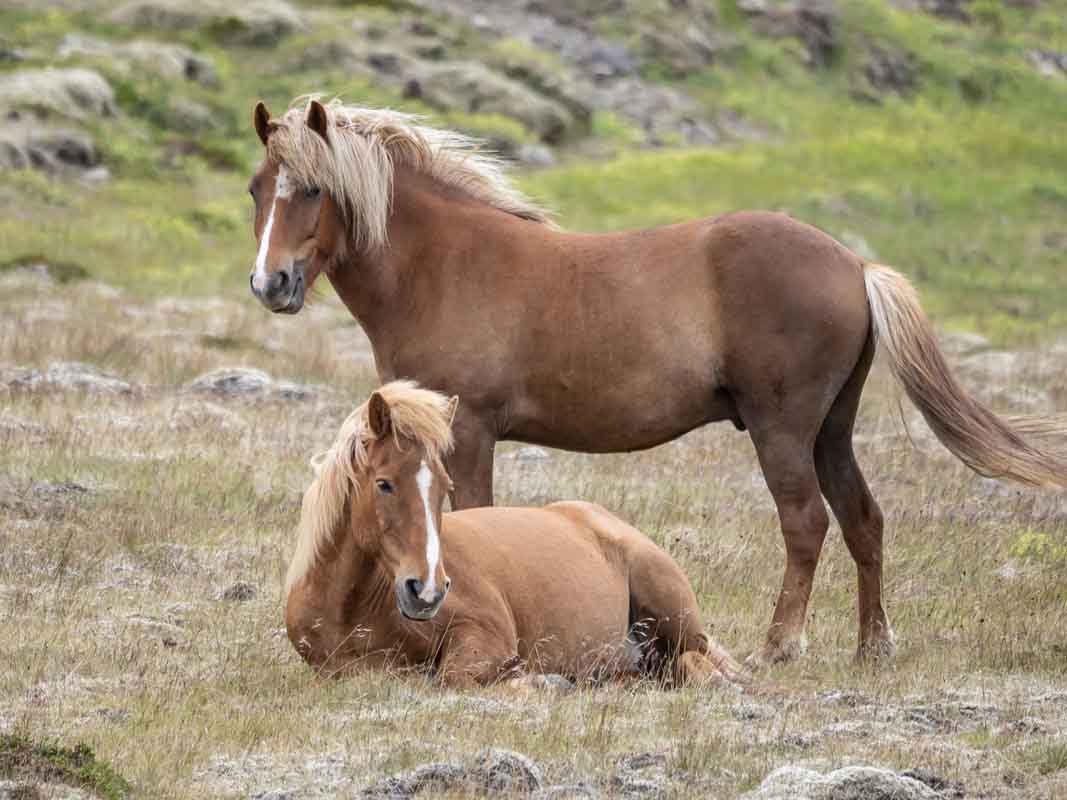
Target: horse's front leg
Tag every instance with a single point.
(470, 465)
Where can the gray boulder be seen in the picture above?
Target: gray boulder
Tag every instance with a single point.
(261, 23)
(437, 777)
(71, 93)
(471, 87)
(813, 22)
(1050, 63)
(847, 783)
(34, 145)
(241, 382)
(497, 770)
(168, 60)
(64, 376)
(890, 70)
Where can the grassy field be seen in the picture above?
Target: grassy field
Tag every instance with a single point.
(125, 519)
(144, 534)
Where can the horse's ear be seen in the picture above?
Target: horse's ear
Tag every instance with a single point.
(317, 119)
(379, 416)
(450, 409)
(261, 119)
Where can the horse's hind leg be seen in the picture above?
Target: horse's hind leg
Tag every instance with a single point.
(786, 455)
(664, 607)
(857, 512)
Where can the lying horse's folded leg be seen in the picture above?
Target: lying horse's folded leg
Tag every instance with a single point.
(473, 658)
(666, 608)
(693, 668)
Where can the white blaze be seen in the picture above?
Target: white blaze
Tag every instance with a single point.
(424, 480)
(283, 187)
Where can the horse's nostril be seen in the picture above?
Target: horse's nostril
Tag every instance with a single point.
(414, 586)
(283, 279)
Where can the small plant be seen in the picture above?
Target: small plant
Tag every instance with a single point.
(47, 760)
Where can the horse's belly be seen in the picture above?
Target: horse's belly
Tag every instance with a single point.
(579, 622)
(618, 418)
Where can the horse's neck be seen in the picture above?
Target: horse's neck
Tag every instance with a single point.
(436, 234)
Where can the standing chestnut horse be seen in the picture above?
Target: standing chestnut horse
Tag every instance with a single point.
(614, 342)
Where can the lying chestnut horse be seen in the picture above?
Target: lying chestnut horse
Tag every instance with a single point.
(567, 589)
(614, 342)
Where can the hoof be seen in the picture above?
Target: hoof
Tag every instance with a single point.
(777, 652)
(877, 649)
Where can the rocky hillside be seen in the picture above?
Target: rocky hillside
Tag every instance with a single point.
(929, 133)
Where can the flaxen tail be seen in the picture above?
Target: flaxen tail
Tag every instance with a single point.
(983, 441)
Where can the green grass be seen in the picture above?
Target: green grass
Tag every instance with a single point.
(49, 762)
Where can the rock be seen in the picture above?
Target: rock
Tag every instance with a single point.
(535, 155)
(248, 383)
(946, 9)
(10, 54)
(962, 343)
(188, 116)
(545, 682)
(67, 93)
(262, 23)
(11, 425)
(810, 21)
(40, 790)
(201, 414)
(858, 245)
(751, 712)
(240, 592)
(64, 376)
(1050, 63)
(47, 490)
(568, 791)
(52, 150)
(439, 777)
(498, 770)
(847, 783)
(591, 73)
(686, 51)
(641, 775)
(946, 787)
(890, 70)
(627, 786)
(473, 88)
(168, 60)
(531, 453)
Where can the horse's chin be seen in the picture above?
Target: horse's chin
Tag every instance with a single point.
(418, 616)
(292, 307)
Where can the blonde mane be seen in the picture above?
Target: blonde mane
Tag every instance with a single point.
(365, 145)
(417, 414)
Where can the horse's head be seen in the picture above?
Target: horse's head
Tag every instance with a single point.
(297, 223)
(402, 492)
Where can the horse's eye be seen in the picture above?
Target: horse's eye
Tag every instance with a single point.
(384, 486)
(311, 192)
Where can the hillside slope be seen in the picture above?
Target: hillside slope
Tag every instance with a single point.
(931, 135)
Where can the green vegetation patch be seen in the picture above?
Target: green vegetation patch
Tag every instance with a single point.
(62, 271)
(22, 758)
